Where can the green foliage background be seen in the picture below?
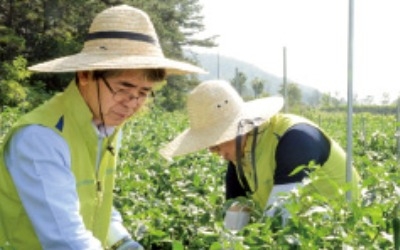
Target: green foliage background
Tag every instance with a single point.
(180, 204)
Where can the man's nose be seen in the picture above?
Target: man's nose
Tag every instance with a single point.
(133, 101)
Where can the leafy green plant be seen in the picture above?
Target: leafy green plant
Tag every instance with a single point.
(180, 204)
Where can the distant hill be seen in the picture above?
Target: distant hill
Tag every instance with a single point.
(227, 67)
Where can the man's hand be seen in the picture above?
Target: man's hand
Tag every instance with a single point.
(236, 217)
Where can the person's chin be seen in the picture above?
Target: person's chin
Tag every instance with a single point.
(227, 158)
(115, 122)
(118, 120)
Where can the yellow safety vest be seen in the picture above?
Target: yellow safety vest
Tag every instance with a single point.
(331, 174)
(69, 116)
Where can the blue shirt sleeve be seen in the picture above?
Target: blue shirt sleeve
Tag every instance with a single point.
(300, 145)
(38, 160)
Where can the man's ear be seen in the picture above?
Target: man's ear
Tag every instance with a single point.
(84, 77)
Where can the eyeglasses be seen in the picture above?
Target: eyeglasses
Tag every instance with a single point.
(124, 96)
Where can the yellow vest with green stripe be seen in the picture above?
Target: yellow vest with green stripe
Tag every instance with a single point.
(330, 176)
(69, 116)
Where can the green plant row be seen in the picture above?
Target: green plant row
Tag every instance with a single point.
(180, 204)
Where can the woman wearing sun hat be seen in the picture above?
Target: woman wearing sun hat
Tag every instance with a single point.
(57, 163)
(262, 146)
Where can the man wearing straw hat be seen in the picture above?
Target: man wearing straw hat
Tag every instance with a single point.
(263, 147)
(58, 162)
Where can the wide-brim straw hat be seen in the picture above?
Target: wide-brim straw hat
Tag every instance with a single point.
(215, 109)
(120, 37)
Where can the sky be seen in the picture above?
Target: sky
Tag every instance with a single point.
(315, 34)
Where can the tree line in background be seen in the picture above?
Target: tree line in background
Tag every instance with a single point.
(323, 101)
(33, 31)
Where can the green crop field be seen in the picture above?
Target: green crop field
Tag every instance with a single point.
(180, 204)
